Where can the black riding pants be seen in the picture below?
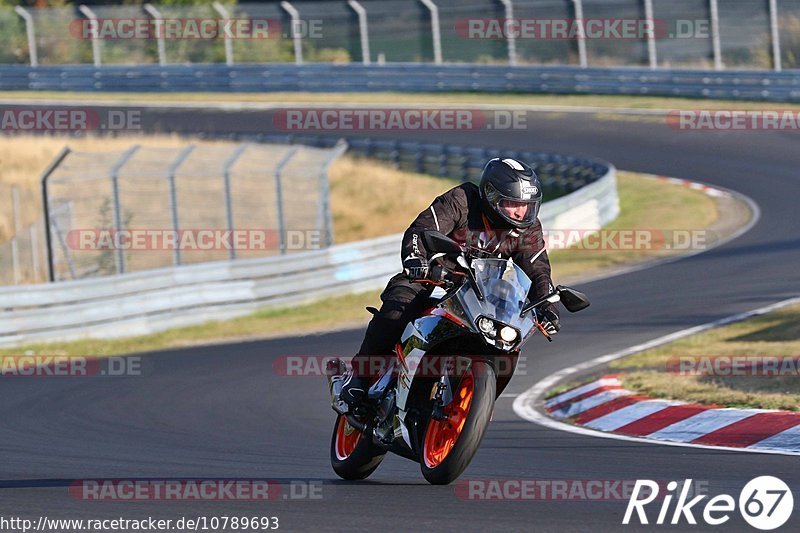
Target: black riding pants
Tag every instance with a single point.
(402, 300)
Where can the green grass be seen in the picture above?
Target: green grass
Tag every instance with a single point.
(628, 101)
(773, 334)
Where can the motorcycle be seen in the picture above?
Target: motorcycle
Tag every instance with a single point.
(428, 405)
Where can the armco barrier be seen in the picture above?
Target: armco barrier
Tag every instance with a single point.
(154, 300)
(560, 174)
(407, 77)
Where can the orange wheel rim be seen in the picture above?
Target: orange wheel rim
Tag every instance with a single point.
(346, 439)
(443, 434)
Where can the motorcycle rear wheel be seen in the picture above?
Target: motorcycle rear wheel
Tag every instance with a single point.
(450, 444)
(353, 455)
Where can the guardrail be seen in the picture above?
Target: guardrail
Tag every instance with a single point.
(407, 77)
(150, 301)
(559, 174)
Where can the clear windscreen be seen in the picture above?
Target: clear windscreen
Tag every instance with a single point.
(504, 284)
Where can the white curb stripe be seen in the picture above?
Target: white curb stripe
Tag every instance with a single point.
(702, 423)
(570, 394)
(577, 408)
(631, 413)
(785, 440)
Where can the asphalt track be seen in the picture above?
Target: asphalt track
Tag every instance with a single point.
(223, 412)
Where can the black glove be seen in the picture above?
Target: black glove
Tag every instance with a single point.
(415, 267)
(549, 321)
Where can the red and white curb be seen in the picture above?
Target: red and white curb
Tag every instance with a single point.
(648, 415)
(708, 189)
(605, 405)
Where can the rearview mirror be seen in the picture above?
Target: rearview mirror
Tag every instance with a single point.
(436, 242)
(573, 300)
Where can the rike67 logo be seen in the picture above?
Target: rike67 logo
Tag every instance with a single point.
(765, 503)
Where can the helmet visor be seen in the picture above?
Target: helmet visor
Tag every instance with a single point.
(522, 213)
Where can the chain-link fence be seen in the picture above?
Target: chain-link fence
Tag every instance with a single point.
(150, 207)
(683, 33)
(21, 236)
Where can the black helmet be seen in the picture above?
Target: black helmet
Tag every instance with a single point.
(506, 183)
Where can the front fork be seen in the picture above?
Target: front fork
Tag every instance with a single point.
(441, 394)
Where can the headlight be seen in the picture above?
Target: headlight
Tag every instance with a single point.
(508, 334)
(487, 326)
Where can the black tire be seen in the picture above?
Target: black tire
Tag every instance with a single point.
(361, 461)
(469, 440)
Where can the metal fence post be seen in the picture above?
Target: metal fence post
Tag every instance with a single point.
(51, 275)
(581, 33)
(173, 199)
(159, 23)
(15, 213)
(436, 31)
(325, 217)
(776, 36)
(652, 58)
(34, 251)
(227, 41)
(96, 51)
(118, 226)
(511, 39)
(64, 248)
(226, 175)
(279, 196)
(362, 29)
(30, 30)
(296, 35)
(715, 38)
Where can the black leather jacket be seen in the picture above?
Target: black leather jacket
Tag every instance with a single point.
(458, 214)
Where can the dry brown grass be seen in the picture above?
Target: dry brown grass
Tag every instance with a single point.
(645, 204)
(774, 334)
(370, 199)
(388, 199)
(23, 159)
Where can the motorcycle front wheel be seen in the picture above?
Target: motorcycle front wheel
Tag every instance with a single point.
(450, 444)
(353, 454)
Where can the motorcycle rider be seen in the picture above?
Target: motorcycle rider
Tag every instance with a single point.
(498, 217)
